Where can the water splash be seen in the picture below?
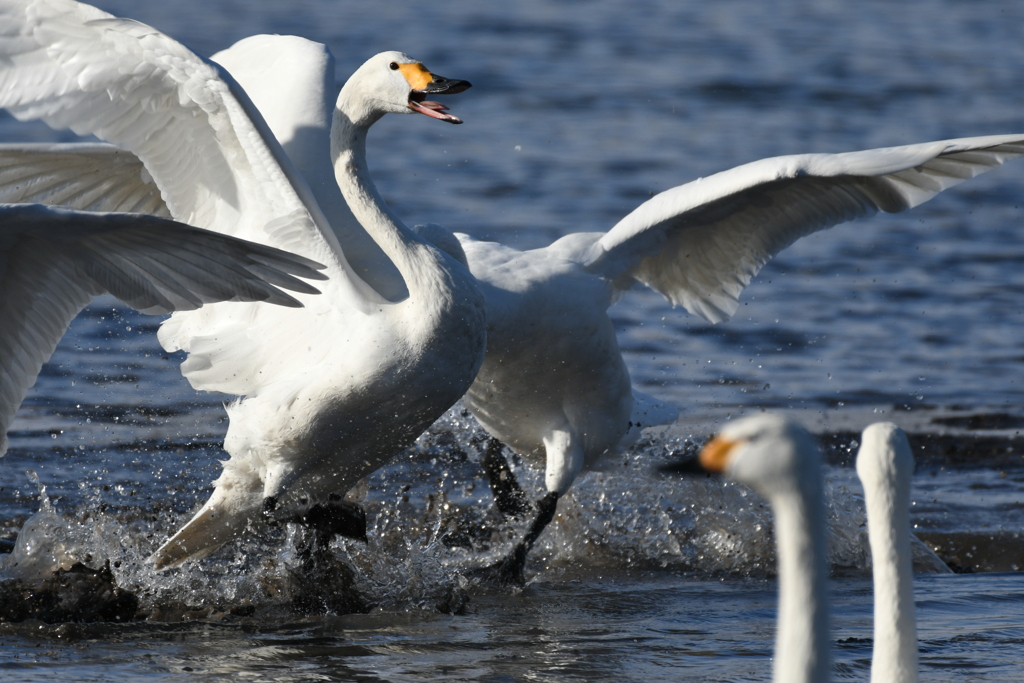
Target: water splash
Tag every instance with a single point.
(431, 520)
(47, 542)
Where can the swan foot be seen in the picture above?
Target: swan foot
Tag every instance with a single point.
(323, 583)
(510, 571)
(336, 517)
(508, 495)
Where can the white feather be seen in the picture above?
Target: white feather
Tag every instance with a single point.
(318, 383)
(701, 243)
(54, 261)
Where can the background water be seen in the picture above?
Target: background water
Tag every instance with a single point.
(579, 111)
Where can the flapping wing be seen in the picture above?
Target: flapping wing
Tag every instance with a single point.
(85, 176)
(207, 149)
(54, 261)
(700, 243)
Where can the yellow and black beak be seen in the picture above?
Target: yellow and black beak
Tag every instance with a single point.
(713, 459)
(424, 83)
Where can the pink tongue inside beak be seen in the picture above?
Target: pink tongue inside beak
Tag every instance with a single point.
(434, 110)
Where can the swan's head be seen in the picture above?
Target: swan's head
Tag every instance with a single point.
(885, 460)
(394, 83)
(770, 453)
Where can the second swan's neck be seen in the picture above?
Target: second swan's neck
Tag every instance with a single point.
(895, 640)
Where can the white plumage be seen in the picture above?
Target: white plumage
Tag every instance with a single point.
(553, 384)
(885, 465)
(333, 390)
(778, 458)
(54, 261)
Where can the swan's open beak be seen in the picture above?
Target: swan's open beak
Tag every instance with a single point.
(425, 83)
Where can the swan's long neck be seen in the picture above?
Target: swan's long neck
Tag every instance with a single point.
(802, 640)
(414, 260)
(895, 640)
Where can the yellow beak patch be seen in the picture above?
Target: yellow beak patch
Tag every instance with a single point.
(417, 75)
(715, 455)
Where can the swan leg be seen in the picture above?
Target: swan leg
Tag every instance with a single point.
(564, 462)
(508, 495)
(324, 583)
(336, 517)
(322, 521)
(510, 571)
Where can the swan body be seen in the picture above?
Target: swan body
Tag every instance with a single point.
(778, 458)
(553, 384)
(331, 391)
(54, 261)
(885, 465)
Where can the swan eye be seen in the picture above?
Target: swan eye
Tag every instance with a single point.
(393, 66)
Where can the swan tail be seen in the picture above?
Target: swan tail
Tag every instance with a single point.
(211, 528)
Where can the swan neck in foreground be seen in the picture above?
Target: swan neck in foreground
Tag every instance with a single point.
(802, 640)
(348, 150)
(895, 637)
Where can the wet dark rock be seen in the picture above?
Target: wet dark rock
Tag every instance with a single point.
(78, 594)
(175, 612)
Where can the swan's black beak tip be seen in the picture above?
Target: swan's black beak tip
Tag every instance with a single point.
(440, 85)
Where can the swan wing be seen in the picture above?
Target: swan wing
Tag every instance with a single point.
(700, 243)
(207, 148)
(54, 261)
(84, 176)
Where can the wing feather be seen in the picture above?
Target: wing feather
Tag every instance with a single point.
(701, 243)
(84, 176)
(205, 146)
(54, 261)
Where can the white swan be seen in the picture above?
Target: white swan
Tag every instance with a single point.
(885, 465)
(778, 458)
(54, 261)
(553, 384)
(333, 390)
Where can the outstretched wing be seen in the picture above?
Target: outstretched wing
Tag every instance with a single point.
(54, 261)
(700, 243)
(206, 147)
(78, 175)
